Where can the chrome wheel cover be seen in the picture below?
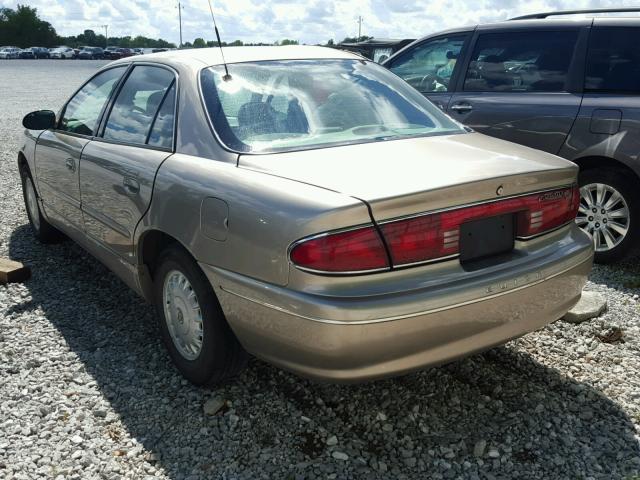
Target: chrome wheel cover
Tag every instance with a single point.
(182, 314)
(31, 199)
(603, 214)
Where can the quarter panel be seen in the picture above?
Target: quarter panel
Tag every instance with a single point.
(266, 214)
(622, 144)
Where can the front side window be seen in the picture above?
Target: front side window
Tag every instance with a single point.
(83, 111)
(521, 62)
(290, 105)
(137, 103)
(613, 61)
(428, 67)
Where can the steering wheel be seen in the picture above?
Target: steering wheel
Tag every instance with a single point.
(428, 82)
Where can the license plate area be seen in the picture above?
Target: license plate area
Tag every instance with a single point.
(487, 237)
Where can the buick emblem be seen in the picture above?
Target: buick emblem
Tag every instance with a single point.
(500, 190)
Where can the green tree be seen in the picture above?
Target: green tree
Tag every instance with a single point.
(22, 27)
(287, 41)
(199, 43)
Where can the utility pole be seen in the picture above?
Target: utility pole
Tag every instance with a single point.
(359, 27)
(180, 7)
(106, 35)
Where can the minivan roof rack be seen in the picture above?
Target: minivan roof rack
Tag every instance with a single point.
(534, 16)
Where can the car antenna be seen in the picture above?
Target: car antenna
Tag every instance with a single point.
(226, 77)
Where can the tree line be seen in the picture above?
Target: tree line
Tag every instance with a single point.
(22, 27)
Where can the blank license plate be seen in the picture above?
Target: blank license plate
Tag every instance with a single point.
(486, 237)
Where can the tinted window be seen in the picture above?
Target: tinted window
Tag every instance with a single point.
(162, 131)
(429, 66)
(83, 111)
(137, 103)
(521, 62)
(286, 105)
(613, 61)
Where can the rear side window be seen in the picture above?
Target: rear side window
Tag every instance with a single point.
(521, 62)
(137, 103)
(613, 61)
(162, 131)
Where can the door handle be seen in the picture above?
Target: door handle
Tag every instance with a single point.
(131, 185)
(71, 164)
(461, 107)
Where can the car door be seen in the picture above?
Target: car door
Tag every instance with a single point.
(58, 151)
(431, 66)
(118, 168)
(519, 86)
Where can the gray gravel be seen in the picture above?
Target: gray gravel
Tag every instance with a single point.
(87, 391)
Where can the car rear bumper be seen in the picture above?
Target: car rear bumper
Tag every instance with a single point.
(347, 338)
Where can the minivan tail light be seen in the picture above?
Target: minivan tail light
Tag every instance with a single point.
(353, 251)
(436, 236)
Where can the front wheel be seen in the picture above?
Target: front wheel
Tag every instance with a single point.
(610, 213)
(193, 327)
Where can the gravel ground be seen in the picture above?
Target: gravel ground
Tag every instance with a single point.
(87, 390)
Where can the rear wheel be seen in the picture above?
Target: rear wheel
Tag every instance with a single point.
(609, 212)
(42, 229)
(193, 327)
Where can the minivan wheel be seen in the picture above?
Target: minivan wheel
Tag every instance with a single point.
(41, 228)
(609, 212)
(192, 324)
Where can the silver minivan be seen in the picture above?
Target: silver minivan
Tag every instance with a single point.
(567, 86)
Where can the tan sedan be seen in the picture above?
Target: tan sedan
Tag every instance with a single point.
(307, 206)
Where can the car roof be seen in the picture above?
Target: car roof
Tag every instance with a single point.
(212, 56)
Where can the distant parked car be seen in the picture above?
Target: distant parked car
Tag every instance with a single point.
(125, 52)
(62, 53)
(376, 49)
(7, 53)
(307, 206)
(158, 50)
(26, 53)
(112, 53)
(138, 51)
(40, 52)
(567, 86)
(91, 53)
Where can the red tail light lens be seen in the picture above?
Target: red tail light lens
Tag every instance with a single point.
(434, 236)
(344, 252)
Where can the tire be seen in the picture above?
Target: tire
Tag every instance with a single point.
(618, 246)
(219, 356)
(41, 228)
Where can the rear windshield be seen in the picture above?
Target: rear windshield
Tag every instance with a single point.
(297, 104)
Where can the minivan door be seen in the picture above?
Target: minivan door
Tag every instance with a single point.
(431, 66)
(518, 87)
(118, 167)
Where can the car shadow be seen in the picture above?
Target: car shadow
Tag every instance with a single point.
(425, 422)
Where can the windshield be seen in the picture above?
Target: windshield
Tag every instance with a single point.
(296, 104)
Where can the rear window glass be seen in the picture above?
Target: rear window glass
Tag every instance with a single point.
(521, 62)
(291, 105)
(613, 61)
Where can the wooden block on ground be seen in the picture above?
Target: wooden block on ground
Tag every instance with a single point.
(11, 271)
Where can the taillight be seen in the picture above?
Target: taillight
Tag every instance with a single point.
(436, 236)
(429, 237)
(351, 251)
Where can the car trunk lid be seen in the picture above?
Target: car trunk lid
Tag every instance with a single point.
(408, 176)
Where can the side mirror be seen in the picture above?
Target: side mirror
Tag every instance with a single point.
(39, 120)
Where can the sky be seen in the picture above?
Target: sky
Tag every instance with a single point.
(308, 21)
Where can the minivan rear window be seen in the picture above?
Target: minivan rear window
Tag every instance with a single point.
(286, 105)
(613, 61)
(521, 62)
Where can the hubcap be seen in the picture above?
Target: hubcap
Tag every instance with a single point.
(603, 214)
(182, 314)
(32, 204)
